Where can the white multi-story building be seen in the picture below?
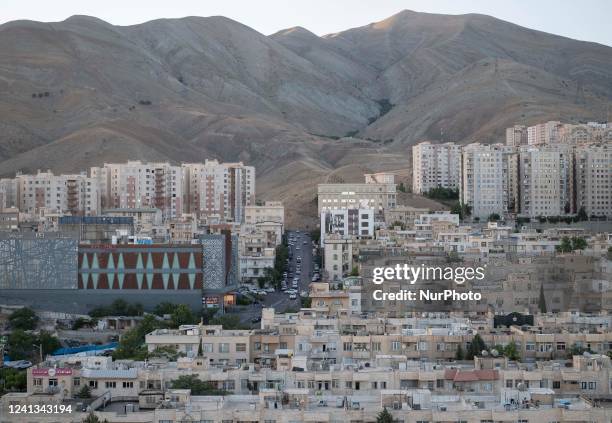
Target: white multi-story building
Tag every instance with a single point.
(347, 223)
(593, 176)
(219, 189)
(435, 165)
(64, 194)
(484, 179)
(540, 189)
(141, 185)
(369, 195)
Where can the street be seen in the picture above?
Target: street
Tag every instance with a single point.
(302, 248)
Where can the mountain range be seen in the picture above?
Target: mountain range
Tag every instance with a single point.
(301, 108)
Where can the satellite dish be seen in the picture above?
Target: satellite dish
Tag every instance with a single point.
(494, 353)
(484, 353)
(521, 387)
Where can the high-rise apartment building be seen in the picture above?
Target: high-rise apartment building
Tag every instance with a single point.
(435, 165)
(66, 194)
(544, 133)
(539, 183)
(141, 185)
(484, 181)
(516, 136)
(593, 179)
(219, 189)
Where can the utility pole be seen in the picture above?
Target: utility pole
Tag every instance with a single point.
(40, 353)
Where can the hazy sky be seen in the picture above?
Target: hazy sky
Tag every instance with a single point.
(584, 20)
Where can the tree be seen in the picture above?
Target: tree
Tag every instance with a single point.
(84, 392)
(463, 210)
(459, 354)
(131, 343)
(24, 319)
(494, 217)
(355, 271)
(20, 345)
(565, 246)
(13, 380)
(578, 243)
(542, 300)
(197, 386)
(164, 308)
(582, 215)
(92, 418)
(49, 342)
(441, 193)
(476, 347)
(511, 351)
(384, 416)
(401, 187)
(228, 322)
(182, 315)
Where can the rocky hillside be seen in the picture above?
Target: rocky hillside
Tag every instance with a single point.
(298, 106)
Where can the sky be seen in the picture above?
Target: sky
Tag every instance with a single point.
(587, 20)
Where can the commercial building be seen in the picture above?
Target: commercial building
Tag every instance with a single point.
(141, 267)
(435, 166)
(37, 262)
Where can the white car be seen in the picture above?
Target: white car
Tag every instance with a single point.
(292, 296)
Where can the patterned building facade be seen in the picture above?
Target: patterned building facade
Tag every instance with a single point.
(140, 267)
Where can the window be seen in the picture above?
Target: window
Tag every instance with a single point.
(224, 348)
(207, 348)
(240, 347)
(52, 382)
(37, 382)
(112, 384)
(127, 385)
(556, 384)
(93, 384)
(396, 345)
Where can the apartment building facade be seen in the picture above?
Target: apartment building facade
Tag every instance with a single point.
(435, 166)
(62, 194)
(219, 189)
(484, 179)
(593, 179)
(136, 184)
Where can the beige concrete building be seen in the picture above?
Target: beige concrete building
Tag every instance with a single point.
(377, 196)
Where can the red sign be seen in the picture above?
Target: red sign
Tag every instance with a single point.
(51, 372)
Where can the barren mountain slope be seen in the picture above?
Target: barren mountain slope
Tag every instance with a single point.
(80, 92)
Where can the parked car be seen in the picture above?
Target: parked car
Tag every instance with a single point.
(292, 296)
(18, 364)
